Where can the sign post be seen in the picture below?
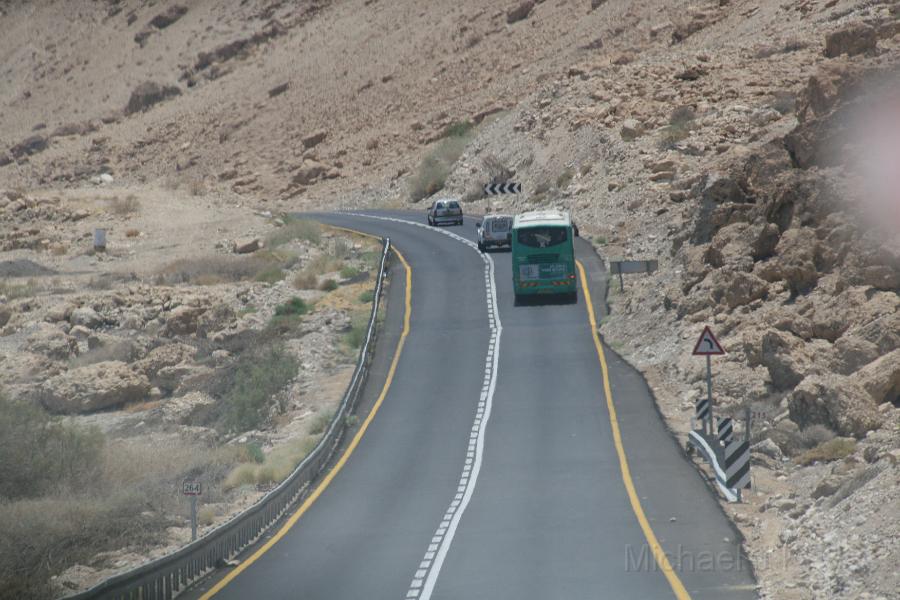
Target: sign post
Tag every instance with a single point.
(192, 488)
(619, 266)
(708, 346)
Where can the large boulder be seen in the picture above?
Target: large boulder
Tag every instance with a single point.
(86, 317)
(739, 245)
(52, 342)
(519, 12)
(29, 146)
(147, 94)
(163, 356)
(881, 378)
(192, 408)
(852, 352)
(857, 38)
(182, 377)
(794, 261)
(94, 387)
(168, 16)
(840, 403)
(309, 172)
(314, 139)
(215, 319)
(787, 358)
(183, 320)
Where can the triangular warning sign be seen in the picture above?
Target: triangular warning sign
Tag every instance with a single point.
(708, 345)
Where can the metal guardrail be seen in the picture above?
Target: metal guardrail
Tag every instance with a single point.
(165, 577)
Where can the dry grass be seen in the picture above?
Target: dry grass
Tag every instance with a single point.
(72, 494)
(208, 270)
(437, 164)
(276, 466)
(14, 291)
(295, 229)
(308, 277)
(124, 207)
(835, 449)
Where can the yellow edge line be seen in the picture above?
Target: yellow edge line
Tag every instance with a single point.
(658, 554)
(346, 455)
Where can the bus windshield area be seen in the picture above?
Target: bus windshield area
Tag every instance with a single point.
(542, 237)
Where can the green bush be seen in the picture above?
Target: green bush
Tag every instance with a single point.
(564, 179)
(367, 296)
(319, 423)
(256, 378)
(359, 325)
(329, 285)
(349, 271)
(294, 306)
(458, 129)
(39, 454)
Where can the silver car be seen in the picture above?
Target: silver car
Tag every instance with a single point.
(493, 231)
(445, 211)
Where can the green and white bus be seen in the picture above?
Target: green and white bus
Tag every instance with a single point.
(543, 254)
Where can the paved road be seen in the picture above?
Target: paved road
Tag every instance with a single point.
(490, 470)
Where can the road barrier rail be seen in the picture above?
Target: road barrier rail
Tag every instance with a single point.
(165, 577)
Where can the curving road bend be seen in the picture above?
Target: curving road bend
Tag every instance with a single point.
(491, 468)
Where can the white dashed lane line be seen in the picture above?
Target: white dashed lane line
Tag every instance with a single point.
(425, 577)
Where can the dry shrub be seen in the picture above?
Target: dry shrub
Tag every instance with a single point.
(197, 187)
(437, 164)
(305, 280)
(62, 531)
(328, 285)
(68, 494)
(496, 169)
(835, 449)
(132, 233)
(308, 278)
(206, 516)
(295, 229)
(276, 466)
(565, 178)
(124, 206)
(261, 266)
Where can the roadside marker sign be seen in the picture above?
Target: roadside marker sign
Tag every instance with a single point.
(190, 487)
(708, 345)
(509, 187)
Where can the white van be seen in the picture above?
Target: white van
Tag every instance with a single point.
(494, 230)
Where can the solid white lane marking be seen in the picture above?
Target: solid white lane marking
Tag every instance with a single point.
(475, 450)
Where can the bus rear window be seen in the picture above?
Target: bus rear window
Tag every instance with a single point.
(542, 237)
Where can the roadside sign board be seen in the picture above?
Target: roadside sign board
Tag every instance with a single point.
(508, 187)
(618, 267)
(189, 487)
(708, 345)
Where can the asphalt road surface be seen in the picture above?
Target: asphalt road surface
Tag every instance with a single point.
(491, 469)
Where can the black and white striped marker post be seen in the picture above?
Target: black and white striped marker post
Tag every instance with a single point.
(495, 189)
(737, 466)
(701, 409)
(725, 429)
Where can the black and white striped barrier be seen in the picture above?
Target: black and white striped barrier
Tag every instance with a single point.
(701, 409)
(495, 189)
(725, 429)
(731, 463)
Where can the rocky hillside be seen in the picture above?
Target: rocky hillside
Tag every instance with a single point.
(749, 146)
